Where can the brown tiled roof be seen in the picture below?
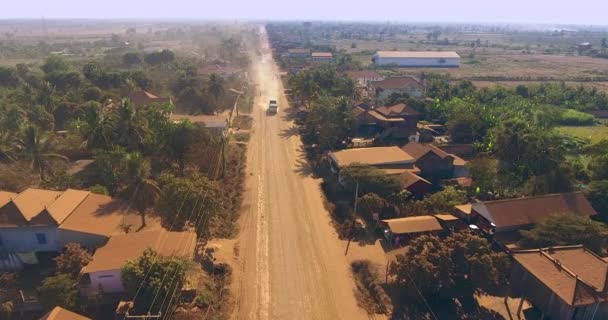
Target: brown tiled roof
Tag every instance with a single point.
(380, 117)
(418, 150)
(59, 313)
(464, 208)
(363, 74)
(408, 178)
(32, 202)
(417, 54)
(5, 197)
(413, 224)
(398, 110)
(446, 217)
(130, 246)
(97, 214)
(144, 98)
(531, 210)
(63, 206)
(371, 156)
(396, 83)
(573, 273)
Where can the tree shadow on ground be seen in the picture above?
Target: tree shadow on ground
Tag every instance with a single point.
(288, 133)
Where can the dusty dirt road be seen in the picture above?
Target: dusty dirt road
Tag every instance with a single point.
(291, 264)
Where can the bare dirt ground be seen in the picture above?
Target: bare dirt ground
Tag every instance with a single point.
(289, 261)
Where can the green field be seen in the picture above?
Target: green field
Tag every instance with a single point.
(594, 133)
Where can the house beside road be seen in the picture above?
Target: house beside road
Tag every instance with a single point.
(417, 59)
(103, 273)
(142, 98)
(564, 283)
(364, 77)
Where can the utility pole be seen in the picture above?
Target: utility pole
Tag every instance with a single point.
(352, 226)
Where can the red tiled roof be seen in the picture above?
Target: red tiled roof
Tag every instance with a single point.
(531, 210)
(573, 273)
(418, 150)
(398, 110)
(413, 224)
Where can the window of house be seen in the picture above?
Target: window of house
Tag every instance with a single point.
(41, 237)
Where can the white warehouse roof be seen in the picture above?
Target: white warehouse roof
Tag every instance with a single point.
(417, 54)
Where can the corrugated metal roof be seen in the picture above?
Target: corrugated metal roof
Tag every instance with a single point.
(417, 54)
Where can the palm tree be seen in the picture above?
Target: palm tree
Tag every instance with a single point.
(129, 127)
(8, 146)
(38, 148)
(145, 192)
(304, 86)
(215, 86)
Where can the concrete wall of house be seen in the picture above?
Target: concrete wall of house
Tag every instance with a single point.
(418, 62)
(109, 281)
(25, 239)
(87, 240)
(366, 80)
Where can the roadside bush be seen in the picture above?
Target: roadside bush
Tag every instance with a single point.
(572, 117)
(370, 295)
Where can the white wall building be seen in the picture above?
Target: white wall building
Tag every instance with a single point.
(417, 59)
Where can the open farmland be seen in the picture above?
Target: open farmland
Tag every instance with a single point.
(593, 133)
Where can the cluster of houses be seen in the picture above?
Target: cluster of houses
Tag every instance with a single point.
(565, 282)
(36, 221)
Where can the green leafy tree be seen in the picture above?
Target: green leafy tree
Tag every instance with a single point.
(369, 204)
(180, 138)
(215, 86)
(597, 194)
(59, 290)
(8, 77)
(567, 230)
(370, 179)
(330, 123)
(72, 259)
(9, 145)
(131, 59)
(453, 267)
(129, 127)
(144, 191)
(193, 199)
(55, 63)
(99, 189)
(156, 283)
(38, 148)
(9, 294)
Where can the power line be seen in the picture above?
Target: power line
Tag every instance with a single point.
(179, 246)
(169, 313)
(179, 211)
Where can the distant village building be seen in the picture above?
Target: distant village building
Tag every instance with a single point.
(397, 121)
(142, 98)
(585, 46)
(435, 163)
(364, 77)
(298, 53)
(417, 59)
(564, 283)
(222, 70)
(321, 57)
(384, 88)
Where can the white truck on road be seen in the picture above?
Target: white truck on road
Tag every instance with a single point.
(272, 107)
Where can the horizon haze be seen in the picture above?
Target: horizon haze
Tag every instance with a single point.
(584, 12)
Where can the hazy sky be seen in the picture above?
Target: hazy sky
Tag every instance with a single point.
(532, 11)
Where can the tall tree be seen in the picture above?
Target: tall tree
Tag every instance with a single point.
(38, 147)
(215, 86)
(130, 128)
(562, 230)
(144, 191)
(59, 290)
(8, 147)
